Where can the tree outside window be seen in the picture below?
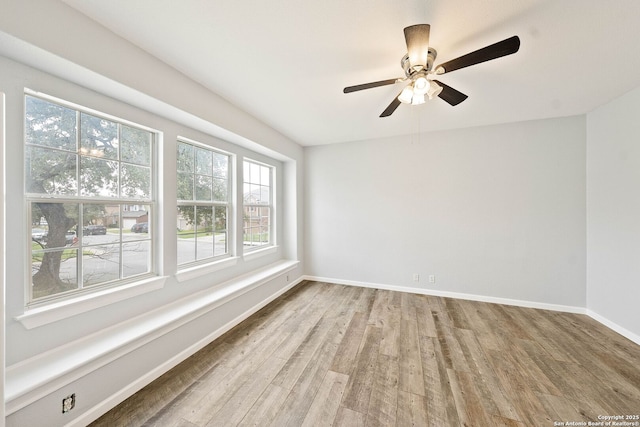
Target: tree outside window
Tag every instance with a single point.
(84, 174)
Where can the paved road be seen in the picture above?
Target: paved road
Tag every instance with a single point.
(101, 256)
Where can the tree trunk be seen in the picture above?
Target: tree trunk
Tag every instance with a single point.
(47, 280)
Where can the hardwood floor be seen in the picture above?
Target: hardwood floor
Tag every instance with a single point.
(325, 354)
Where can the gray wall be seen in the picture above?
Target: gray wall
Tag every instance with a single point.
(613, 207)
(495, 211)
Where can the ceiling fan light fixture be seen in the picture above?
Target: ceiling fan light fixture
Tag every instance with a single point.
(434, 90)
(406, 95)
(418, 98)
(421, 86)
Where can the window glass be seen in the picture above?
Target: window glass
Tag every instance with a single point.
(257, 198)
(85, 197)
(203, 203)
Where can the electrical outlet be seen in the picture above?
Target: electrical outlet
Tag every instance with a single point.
(68, 403)
(416, 277)
(432, 278)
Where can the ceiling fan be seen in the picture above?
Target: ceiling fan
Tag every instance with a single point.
(418, 69)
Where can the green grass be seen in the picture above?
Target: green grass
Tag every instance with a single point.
(258, 237)
(189, 234)
(37, 254)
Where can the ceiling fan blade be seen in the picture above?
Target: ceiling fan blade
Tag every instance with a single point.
(417, 38)
(494, 51)
(392, 107)
(355, 88)
(450, 95)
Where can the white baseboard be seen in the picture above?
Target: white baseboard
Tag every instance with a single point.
(457, 295)
(95, 412)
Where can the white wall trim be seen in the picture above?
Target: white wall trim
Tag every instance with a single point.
(257, 253)
(457, 295)
(614, 326)
(98, 410)
(3, 248)
(196, 271)
(32, 379)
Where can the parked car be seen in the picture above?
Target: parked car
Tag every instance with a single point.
(41, 235)
(140, 227)
(38, 234)
(90, 230)
(70, 237)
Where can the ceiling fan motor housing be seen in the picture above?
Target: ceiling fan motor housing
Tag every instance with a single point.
(410, 72)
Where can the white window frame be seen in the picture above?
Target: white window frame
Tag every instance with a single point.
(100, 289)
(249, 249)
(228, 204)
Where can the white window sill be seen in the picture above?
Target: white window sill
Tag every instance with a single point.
(257, 253)
(200, 270)
(35, 317)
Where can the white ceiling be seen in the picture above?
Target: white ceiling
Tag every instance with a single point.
(287, 61)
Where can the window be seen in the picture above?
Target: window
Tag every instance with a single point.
(258, 211)
(89, 188)
(203, 188)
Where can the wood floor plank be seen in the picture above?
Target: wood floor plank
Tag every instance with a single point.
(297, 404)
(349, 418)
(490, 392)
(561, 406)
(535, 378)
(360, 384)
(540, 328)
(182, 405)
(414, 409)
(446, 390)
(512, 320)
(379, 308)
(483, 327)
(407, 306)
(435, 391)
(297, 361)
(557, 371)
(451, 351)
(383, 403)
(345, 357)
(468, 403)
(458, 318)
(365, 302)
(497, 421)
(515, 385)
(390, 343)
(223, 390)
(411, 378)
(183, 423)
(324, 354)
(426, 325)
(326, 403)
(264, 410)
(244, 397)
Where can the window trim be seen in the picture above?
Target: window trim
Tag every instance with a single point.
(118, 286)
(63, 308)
